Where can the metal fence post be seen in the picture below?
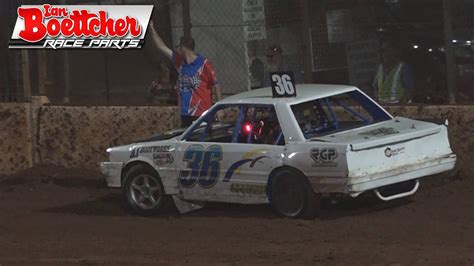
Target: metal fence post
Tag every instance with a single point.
(306, 41)
(186, 19)
(25, 69)
(449, 49)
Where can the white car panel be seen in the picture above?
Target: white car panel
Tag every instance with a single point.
(112, 172)
(399, 152)
(242, 176)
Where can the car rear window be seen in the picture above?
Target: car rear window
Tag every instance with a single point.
(337, 113)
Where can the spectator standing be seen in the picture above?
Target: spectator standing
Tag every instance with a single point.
(196, 78)
(277, 63)
(394, 79)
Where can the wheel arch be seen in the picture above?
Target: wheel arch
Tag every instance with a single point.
(131, 164)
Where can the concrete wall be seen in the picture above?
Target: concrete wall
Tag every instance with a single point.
(15, 137)
(78, 136)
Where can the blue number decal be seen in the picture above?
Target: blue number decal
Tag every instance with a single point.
(210, 167)
(193, 157)
(204, 166)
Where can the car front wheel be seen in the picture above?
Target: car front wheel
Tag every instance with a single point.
(144, 191)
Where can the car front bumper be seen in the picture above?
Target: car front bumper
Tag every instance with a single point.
(112, 172)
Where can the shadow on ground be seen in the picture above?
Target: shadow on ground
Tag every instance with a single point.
(113, 204)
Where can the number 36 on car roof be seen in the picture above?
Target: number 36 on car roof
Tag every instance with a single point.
(283, 84)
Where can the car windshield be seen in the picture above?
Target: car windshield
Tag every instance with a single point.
(337, 113)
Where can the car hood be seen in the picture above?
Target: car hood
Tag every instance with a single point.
(165, 136)
(152, 144)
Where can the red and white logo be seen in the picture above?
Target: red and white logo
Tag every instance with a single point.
(75, 26)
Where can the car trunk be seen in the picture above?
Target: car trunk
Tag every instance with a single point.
(394, 144)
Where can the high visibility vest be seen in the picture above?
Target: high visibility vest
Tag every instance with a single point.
(390, 88)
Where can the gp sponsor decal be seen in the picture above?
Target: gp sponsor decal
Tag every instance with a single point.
(138, 150)
(248, 189)
(324, 157)
(389, 153)
(203, 166)
(80, 26)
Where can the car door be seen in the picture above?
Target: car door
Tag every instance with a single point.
(229, 153)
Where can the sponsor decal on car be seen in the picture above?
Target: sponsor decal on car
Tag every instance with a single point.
(248, 189)
(232, 169)
(80, 26)
(251, 156)
(324, 157)
(394, 152)
(163, 158)
(137, 150)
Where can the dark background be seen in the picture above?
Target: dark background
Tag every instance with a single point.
(441, 31)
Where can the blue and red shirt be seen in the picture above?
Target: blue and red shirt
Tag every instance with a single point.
(195, 82)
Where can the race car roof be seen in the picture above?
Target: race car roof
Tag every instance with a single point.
(304, 92)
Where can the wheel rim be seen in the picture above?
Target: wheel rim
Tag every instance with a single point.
(145, 191)
(289, 195)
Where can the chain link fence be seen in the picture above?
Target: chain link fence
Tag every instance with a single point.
(236, 35)
(246, 39)
(218, 32)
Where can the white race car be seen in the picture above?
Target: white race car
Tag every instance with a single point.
(258, 147)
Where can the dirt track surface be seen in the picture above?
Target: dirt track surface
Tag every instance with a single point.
(53, 216)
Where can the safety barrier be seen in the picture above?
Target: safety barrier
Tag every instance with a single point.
(77, 136)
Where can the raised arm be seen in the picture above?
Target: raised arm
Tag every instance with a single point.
(158, 42)
(218, 91)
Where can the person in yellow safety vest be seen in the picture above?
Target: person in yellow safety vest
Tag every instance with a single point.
(393, 81)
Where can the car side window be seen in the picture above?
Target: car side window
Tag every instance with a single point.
(239, 124)
(217, 126)
(260, 125)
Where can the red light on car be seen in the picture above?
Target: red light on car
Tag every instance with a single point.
(248, 128)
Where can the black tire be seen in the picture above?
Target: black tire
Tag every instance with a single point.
(292, 196)
(144, 192)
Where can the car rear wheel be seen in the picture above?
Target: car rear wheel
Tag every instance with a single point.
(292, 195)
(144, 191)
